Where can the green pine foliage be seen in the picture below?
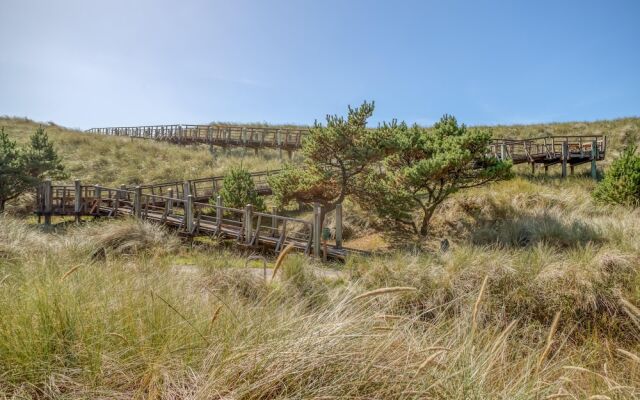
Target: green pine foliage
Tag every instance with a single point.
(621, 184)
(395, 171)
(22, 169)
(13, 179)
(238, 190)
(334, 155)
(424, 167)
(41, 159)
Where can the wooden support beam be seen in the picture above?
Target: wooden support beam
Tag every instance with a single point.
(186, 189)
(317, 228)
(594, 158)
(248, 225)
(63, 200)
(218, 213)
(137, 202)
(77, 202)
(97, 196)
(188, 214)
(47, 192)
(565, 158)
(274, 220)
(169, 202)
(339, 225)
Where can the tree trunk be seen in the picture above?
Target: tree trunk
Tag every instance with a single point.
(426, 219)
(326, 208)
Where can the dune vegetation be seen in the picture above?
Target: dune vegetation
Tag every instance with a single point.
(111, 161)
(536, 297)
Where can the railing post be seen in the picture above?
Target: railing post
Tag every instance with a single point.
(503, 151)
(317, 228)
(137, 202)
(169, 204)
(565, 157)
(218, 213)
(274, 220)
(188, 213)
(248, 223)
(97, 195)
(339, 225)
(48, 201)
(594, 158)
(77, 203)
(186, 189)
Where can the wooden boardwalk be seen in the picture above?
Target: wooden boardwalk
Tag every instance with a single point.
(202, 189)
(568, 151)
(188, 210)
(289, 139)
(185, 205)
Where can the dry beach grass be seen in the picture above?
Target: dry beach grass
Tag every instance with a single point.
(495, 317)
(536, 298)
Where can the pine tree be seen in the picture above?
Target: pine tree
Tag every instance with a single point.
(22, 169)
(334, 155)
(238, 190)
(424, 167)
(621, 183)
(41, 159)
(13, 177)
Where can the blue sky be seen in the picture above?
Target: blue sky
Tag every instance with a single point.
(104, 63)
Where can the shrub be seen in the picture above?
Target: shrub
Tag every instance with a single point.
(238, 190)
(424, 167)
(22, 168)
(621, 184)
(334, 156)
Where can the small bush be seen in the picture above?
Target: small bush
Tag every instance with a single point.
(238, 190)
(621, 184)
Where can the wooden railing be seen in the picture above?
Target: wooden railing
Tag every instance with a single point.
(565, 150)
(202, 188)
(247, 226)
(218, 135)
(545, 150)
(530, 150)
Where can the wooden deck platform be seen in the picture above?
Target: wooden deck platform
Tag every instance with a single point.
(191, 218)
(546, 151)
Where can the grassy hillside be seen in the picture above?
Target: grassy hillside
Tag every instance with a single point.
(112, 161)
(120, 309)
(538, 297)
(620, 132)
